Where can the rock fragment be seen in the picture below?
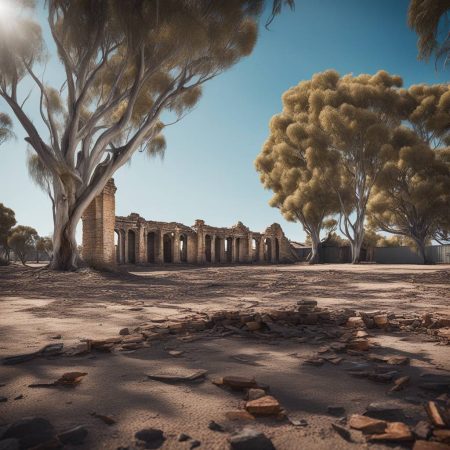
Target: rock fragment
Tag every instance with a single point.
(395, 431)
(151, 437)
(366, 424)
(264, 406)
(249, 439)
(30, 431)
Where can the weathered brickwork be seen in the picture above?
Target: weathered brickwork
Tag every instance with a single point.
(140, 241)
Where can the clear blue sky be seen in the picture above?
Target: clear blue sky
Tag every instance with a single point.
(208, 168)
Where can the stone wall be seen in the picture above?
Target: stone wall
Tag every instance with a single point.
(140, 241)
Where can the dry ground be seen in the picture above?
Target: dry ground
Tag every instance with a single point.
(36, 305)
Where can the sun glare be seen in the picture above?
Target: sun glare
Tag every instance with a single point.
(7, 12)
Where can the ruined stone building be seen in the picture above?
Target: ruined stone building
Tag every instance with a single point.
(109, 239)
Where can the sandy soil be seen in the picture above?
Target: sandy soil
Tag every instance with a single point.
(36, 305)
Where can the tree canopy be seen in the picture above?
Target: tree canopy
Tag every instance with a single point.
(22, 240)
(429, 19)
(125, 63)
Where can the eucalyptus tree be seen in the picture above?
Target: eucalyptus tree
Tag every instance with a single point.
(7, 221)
(124, 64)
(411, 192)
(22, 240)
(429, 19)
(346, 126)
(299, 192)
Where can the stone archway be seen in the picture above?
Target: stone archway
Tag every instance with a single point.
(131, 247)
(168, 248)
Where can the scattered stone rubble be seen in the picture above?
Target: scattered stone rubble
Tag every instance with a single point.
(339, 335)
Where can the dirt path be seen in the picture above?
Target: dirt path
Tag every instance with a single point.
(36, 306)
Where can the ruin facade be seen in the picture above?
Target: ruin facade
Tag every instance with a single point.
(110, 239)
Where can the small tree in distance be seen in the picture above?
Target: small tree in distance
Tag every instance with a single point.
(22, 241)
(7, 221)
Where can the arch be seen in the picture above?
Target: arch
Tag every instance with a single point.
(167, 247)
(237, 250)
(208, 253)
(277, 250)
(217, 249)
(183, 247)
(151, 247)
(268, 250)
(229, 249)
(255, 249)
(131, 247)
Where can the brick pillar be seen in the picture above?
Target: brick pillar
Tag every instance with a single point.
(98, 229)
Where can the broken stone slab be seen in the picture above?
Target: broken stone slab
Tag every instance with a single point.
(395, 431)
(124, 332)
(437, 415)
(400, 383)
(359, 345)
(442, 435)
(264, 406)
(389, 410)
(177, 377)
(47, 350)
(297, 422)
(355, 322)
(176, 353)
(255, 393)
(342, 431)
(249, 439)
(30, 432)
(151, 437)
(381, 320)
(366, 424)
(236, 383)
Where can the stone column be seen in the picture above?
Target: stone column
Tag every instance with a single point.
(213, 249)
(125, 256)
(260, 249)
(222, 250)
(141, 247)
(159, 244)
(176, 247)
(250, 248)
(233, 250)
